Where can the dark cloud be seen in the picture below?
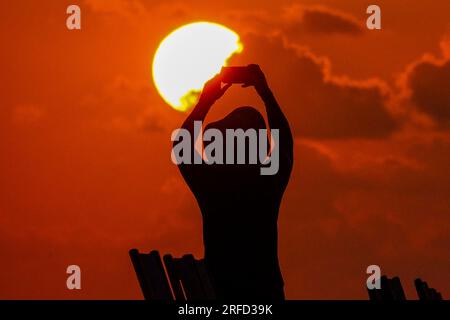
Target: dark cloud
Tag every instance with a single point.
(429, 82)
(319, 104)
(321, 20)
(296, 21)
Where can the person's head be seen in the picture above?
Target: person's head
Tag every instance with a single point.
(240, 118)
(241, 127)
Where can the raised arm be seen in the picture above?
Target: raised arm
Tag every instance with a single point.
(275, 115)
(212, 91)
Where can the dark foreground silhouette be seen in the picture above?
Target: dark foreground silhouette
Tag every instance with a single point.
(187, 279)
(240, 206)
(392, 290)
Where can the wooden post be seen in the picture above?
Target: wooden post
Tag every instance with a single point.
(138, 268)
(173, 272)
(190, 279)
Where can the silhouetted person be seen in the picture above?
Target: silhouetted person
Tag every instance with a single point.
(239, 205)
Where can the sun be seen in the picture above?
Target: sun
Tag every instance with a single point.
(190, 56)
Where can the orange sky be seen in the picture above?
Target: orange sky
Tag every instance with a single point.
(85, 171)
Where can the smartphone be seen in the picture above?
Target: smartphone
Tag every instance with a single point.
(236, 75)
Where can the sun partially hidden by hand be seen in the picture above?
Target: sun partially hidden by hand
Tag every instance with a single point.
(190, 56)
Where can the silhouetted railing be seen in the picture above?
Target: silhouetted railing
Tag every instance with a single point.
(392, 290)
(426, 293)
(177, 279)
(186, 278)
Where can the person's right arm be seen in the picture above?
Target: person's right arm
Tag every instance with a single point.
(212, 91)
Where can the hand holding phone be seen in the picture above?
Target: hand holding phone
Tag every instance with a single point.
(250, 75)
(240, 75)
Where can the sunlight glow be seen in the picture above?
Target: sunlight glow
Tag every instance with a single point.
(190, 56)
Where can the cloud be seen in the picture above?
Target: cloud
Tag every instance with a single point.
(423, 94)
(121, 7)
(320, 20)
(429, 83)
(336, 221)
(127, 105)
(296, 20)
(318, 103)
